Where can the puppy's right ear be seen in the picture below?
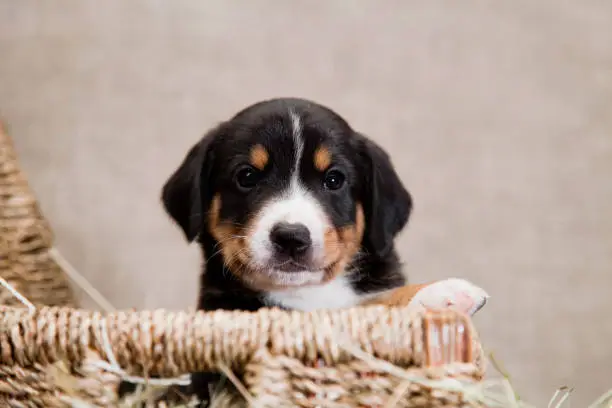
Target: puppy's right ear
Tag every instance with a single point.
(387, 202)
(188, 193)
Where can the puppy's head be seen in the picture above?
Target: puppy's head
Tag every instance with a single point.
(289, 193)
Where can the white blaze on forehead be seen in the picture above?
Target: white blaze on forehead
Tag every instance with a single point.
(293, 205)
(298, 142)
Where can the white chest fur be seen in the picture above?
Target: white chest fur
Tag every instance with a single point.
(336, 294)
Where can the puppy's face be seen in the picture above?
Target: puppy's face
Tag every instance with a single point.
(288, 192)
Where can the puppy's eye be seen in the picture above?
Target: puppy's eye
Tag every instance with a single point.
(247, 177)
(334, 179)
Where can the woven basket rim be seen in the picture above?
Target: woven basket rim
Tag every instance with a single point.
(164, 343)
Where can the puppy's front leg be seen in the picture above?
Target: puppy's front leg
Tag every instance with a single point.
(448, 293)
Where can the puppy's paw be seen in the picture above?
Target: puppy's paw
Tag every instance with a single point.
(450, 293)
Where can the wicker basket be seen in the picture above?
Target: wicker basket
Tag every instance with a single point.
(57, 355)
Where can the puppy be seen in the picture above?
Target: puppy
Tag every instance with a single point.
(292, 208)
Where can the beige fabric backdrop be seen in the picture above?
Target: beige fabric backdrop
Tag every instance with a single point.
(497, 114)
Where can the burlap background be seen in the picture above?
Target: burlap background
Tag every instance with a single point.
(498, 116)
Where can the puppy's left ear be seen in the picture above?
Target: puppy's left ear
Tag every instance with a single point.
(387, 203)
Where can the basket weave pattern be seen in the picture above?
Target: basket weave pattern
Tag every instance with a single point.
(363, 357)
(25, 239)
(284, 358)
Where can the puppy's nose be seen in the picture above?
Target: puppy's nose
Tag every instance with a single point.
(292, 239)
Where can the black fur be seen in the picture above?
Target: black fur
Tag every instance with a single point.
(209, 167)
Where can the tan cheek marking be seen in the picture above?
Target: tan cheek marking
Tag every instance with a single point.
(351, 236)
(259, 157)
(213, 215)
(359, 223)
(332, 245)
(322, 158)
(348, 242)
(232, 249)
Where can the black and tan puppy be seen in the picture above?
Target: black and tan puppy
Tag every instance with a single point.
(292, 208)
(295, 209)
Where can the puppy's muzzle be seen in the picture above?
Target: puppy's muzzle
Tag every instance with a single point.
(292, 244)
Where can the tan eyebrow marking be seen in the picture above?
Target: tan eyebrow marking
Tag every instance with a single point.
(259, 157)
(322, 158)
